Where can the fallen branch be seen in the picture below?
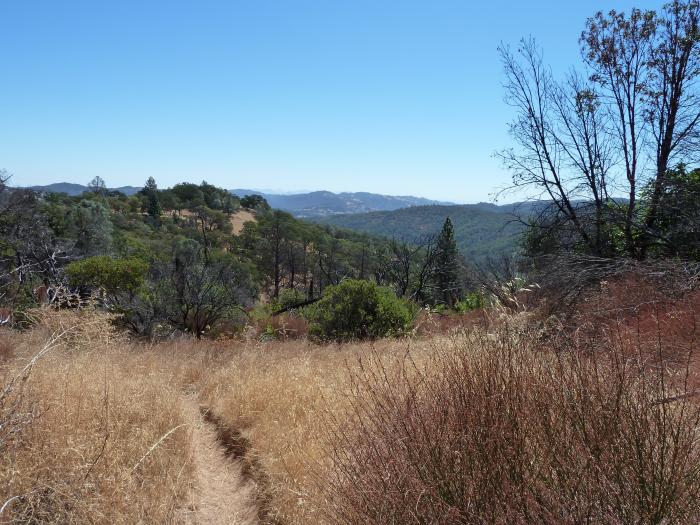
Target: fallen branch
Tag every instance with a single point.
(295, 306)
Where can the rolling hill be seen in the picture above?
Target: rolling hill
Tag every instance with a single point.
(72, 189)
(326, 203)
(302, 205)
(481, 230)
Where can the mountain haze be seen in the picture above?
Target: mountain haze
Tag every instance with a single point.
(326, 203)
(310, 204)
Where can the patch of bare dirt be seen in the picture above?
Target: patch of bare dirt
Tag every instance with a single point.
(223, 494)
(239, 218)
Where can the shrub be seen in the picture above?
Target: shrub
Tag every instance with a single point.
(495, 428)
(472, 301)
(358, 309)
(288, 298)
(114, 275)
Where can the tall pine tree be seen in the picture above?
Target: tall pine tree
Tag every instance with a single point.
(446, 273)
(151, 191)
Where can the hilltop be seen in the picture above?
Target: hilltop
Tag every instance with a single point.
(74, 190)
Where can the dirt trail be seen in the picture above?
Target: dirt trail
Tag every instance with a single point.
(222, 494)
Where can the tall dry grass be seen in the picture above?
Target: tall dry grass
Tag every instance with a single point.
(83, 427)
(279, 397)
(489, 425)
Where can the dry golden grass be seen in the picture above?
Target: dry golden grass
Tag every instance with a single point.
(280, 396)
(517, 430)
(86, 417)
(96, 404)
(239, 219)
(274, 396)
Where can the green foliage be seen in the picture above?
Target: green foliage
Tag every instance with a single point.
(89, 223)
(115, 275)
(357, 309)
(255, 202)
(288, 298)
(195, 270)
(551, 231)
(471, 301)
(479, 230)
(205, 288)
(269, 333)
(446, 272)
(677, 224)
(153, 207)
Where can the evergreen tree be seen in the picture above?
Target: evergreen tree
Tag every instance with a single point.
(151, 191)
(446, 273)
(151, 186)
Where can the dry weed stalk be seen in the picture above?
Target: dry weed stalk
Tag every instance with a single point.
(12, 421)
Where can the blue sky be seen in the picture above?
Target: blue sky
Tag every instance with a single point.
(358, 95)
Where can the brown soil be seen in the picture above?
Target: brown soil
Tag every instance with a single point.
(223, 494)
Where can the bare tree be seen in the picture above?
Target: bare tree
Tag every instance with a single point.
(559, 133)
(401, 262)
(673, 99)
(29, 250)
(611, 130)
(425, 270)
(204, 289)
(97, 185)
(617, 50)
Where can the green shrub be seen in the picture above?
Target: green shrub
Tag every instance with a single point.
(472, 301)
(288, 298)
(358, 309)
(114, 275)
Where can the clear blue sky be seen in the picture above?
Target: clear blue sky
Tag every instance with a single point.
(396, 97)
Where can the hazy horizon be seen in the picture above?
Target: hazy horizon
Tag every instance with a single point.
(269, 191)
(394, 99)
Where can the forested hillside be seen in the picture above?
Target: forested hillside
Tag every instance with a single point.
(481, 230)
(193, 256)
(309, 204)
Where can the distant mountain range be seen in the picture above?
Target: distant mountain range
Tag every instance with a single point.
(481, 230)
(76, 189)
(312, 204)
(326, 203)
